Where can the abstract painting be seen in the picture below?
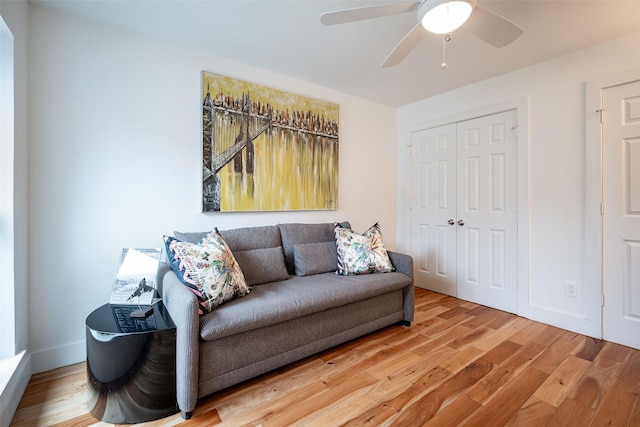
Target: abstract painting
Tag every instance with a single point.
(265, 149)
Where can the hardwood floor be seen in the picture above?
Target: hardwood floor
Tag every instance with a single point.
(458, 364)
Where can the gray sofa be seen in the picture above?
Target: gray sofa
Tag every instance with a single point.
(283, 320)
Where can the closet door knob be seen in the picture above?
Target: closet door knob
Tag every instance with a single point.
(451, 222)
(460, 223)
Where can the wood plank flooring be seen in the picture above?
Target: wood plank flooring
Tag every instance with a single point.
(458, 364)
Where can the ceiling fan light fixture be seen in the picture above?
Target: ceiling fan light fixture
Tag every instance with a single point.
(444, 16)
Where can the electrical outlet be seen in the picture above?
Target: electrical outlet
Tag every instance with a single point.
(570, 288)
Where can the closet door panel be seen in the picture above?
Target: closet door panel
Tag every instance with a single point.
(487, 211)
(433, 206)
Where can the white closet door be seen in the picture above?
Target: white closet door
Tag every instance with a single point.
(434, 207)
(464, 210)
(487, 183)
(621, 221)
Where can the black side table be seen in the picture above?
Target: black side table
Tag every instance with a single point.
(131, 364)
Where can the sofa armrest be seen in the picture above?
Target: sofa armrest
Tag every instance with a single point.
(182, 305)
(404, 264)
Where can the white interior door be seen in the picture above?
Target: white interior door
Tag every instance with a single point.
(487, 207)
(464, 210)
(621, 220)
(434, 207)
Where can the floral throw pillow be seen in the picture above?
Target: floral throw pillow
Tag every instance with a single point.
(208, 268)
(361, 253)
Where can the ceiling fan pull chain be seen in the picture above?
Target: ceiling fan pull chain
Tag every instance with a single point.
(445, 39)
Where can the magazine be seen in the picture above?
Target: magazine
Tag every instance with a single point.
(128, 323)
(135, 282)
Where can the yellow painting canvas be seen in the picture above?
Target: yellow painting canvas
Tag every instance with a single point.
(265, 149)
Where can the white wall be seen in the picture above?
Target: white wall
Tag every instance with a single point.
(115, 161)
(557, 171)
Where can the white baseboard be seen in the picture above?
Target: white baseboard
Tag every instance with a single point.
(18, 373)
(53, 358)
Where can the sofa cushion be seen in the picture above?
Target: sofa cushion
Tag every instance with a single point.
(191, 236)
(314, 258)
(262, 265)
(296, 233)
(361, 253)
(246, 243)
(208, 268)
(239, 239)
(277, 302)
(247, 238)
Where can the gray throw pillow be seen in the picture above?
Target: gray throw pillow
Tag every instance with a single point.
(315, 258)
(297, 233)
(262, 265)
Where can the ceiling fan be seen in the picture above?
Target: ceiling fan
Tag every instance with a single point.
(436, 16)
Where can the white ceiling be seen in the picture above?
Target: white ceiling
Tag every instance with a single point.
(287, 37)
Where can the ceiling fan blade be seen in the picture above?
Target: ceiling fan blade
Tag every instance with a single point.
(405, 46)
(492, 28)
(367, 12)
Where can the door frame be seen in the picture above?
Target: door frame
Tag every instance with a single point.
(521, 105)
(594, 194)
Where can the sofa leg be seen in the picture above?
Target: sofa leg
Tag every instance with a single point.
(186, 415)
(405, 323)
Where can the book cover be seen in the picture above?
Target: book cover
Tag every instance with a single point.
(135, 282)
